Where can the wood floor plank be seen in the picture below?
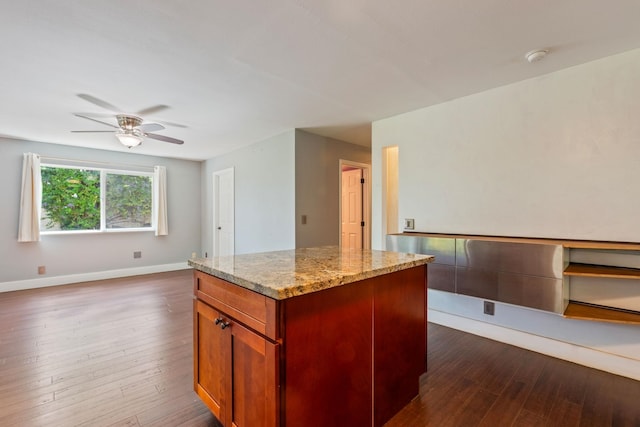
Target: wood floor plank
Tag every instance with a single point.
(506, 407)
(626, 403)
(544, 392)
(168, 415)
(127, 422)
(529, 419)
(472, 411)
(572, 379)
(565, 413)
(597, 409)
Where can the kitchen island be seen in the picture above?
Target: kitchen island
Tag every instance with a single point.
(309, 337)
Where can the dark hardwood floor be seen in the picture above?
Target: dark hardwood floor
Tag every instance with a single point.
(118, 353)
(474, 381)
(115, 352)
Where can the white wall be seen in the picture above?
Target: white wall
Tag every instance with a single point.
(555, 156)
(264, 195)
(76, 256)
(317, 186)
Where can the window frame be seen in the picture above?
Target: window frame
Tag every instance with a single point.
(103, 194)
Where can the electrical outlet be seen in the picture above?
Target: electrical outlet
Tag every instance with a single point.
(408, 223)
(42, 269)
(489, 308)
(193, 254)
(137, 254)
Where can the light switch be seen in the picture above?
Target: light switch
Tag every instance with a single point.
(408, 223)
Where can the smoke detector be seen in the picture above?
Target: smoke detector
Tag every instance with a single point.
(536, 55)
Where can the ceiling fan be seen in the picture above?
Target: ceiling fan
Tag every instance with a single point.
(131, 129)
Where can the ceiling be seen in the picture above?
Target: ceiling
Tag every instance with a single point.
(235, 72)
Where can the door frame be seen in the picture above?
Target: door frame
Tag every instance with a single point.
(366, 200)
(214, 219)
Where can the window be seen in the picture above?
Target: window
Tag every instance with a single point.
(128, 201)
(93, 199)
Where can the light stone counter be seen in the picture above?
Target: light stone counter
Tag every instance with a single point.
(284, 274)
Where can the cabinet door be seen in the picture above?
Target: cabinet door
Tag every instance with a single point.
(210, 358)
(235, 370)
(254, 379)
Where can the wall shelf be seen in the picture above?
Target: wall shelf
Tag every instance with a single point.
(589, 270)
(586, 311)
(582, 311)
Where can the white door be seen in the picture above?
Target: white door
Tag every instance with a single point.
(352, 209)
(223, 213)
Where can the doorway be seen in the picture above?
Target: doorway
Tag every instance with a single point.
(223, 213)
(355, 205)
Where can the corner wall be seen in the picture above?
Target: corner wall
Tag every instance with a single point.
(556, 156)
(264, 195)
(318, 186)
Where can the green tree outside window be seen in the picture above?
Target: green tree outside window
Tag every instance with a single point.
(71, 199)
(128, 201)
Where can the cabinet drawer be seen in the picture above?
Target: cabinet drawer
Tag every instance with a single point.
(254, 310)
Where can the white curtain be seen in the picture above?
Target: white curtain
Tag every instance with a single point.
(30, 198)
(160, 200)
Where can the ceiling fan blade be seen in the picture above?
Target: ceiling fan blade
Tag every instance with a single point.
(152, 110)
(97, 115)
(150, 127)
(91, 131)
(95, 120)
(99, 102)
(164, 138)
(175, 125)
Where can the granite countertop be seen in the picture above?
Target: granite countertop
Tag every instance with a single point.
(285, 274)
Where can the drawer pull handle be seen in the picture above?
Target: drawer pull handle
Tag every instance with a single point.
(223, 325)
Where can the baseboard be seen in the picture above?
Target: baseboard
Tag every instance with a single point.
(608, 362)
(43, 282)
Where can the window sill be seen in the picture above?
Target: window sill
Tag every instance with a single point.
(112, 231)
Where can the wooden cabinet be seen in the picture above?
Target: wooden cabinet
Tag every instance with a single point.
(235, 368)
(348, 355)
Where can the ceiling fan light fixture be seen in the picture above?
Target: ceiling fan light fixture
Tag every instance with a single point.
(130, 138)
(131, 130)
